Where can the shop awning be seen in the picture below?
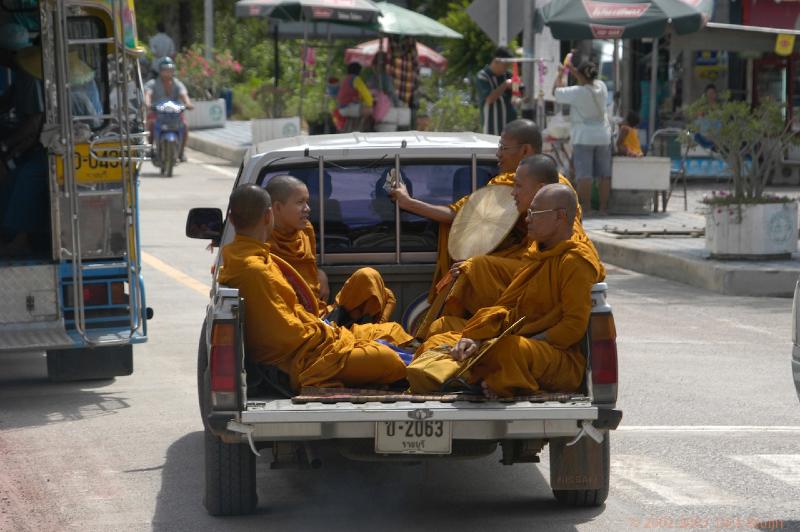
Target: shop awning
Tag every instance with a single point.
(733, 38)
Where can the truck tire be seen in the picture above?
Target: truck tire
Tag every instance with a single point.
(230, 477)
(589, 497)
(89, 363)
(203, 393)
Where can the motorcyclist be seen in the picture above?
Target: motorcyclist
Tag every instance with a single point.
(166, 87)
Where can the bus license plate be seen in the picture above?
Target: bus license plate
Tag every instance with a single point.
(414, 437)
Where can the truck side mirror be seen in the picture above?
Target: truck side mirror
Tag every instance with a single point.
(205, 223)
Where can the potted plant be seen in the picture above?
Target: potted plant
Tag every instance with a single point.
(206, 79)
(745, 222)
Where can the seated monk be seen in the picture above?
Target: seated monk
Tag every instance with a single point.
(481, 280)
(283, 324)
(364, 297)
(520, 138)
(553, 294)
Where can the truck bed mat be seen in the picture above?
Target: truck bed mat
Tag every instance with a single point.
(361, 395)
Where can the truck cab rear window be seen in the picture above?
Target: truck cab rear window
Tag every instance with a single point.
(361, 218)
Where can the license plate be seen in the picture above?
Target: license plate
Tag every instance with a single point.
(413, 437)
(89, 170)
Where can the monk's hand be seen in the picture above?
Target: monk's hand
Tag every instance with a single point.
(400, 193)
(465, 348)
(455, 269)
(324, 287)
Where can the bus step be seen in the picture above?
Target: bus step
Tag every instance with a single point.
(102, 40)
(99, 193)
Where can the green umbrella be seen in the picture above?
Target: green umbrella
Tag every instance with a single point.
(623, 19)
(396, 20)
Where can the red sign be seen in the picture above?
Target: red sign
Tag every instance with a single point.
(321, 12)
(613, 9)
(601, 31)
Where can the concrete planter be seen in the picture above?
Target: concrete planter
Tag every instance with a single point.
(206, 114)
(264, 129)
(752, 231)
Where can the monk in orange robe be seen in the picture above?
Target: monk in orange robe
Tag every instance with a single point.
(520, 138)
(283, 326)
(553, 295)
(364, 295)
(481, 280)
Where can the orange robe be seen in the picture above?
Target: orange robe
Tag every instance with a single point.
(364, 290)
(553, 293)
(484, 278)
(513, 247)
(282, 331)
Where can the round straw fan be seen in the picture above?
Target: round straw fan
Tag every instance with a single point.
(482, 223)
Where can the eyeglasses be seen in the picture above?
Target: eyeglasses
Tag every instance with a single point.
(532, 213)
(503, 147)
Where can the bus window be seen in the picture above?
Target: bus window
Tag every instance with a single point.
(88, 71)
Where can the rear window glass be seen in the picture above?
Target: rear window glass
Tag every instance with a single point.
(361, 218)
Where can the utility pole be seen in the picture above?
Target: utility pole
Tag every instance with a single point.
(528, 52)
(502, 33)
(208, 23)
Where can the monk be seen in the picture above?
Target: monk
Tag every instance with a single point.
(481, 280)
(364, 297)
(553, 295)
(283, 325)
(520, 139)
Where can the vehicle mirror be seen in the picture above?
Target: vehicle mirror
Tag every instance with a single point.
(204, 223)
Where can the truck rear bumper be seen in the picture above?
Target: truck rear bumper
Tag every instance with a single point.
(280, 420)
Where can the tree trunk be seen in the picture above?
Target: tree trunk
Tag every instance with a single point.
(184, 23)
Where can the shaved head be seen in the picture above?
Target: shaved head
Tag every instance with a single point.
(281, 187)
(557, 196)
(525, 131)
(247, 206)
(540, 168)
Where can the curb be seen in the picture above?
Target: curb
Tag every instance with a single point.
(733, 279)
(233, 154)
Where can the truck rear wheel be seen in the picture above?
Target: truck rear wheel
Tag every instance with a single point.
(89, 363)
(230, 477)
(585, 462)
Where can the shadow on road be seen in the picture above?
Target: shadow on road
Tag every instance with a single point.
(463, 495)
(29, 399)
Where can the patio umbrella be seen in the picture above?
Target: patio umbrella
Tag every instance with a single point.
(347, 12)
(362, 12)
(364, 54)
(396, 20)
(625, 19)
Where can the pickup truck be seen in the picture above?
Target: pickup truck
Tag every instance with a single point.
(249, 412)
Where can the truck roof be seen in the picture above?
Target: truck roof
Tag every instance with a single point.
(357, 145)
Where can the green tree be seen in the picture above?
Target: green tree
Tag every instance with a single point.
(465, 56)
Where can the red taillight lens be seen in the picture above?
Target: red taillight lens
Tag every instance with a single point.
(604, 362)
(119, 295)
(604, 349)
(223, 358)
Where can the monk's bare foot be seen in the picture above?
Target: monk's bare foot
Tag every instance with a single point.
(488, 392)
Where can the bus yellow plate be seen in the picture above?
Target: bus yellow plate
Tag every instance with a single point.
(90, 170)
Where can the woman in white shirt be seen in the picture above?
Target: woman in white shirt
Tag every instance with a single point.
(590, 133)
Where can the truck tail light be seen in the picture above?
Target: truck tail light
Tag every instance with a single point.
(604, 357)
(222, 363)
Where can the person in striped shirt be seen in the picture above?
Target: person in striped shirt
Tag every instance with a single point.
(494, 93)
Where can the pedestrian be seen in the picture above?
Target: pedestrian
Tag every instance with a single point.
(402, 66)
(161, 46)
(494, 93)
(353, 101)
(590, 134)
(628, 143)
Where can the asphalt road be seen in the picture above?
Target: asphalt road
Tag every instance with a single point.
(709, 437)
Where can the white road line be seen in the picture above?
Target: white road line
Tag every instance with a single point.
(671, 486)
(226, 171)
(709, 428)
(784, 467)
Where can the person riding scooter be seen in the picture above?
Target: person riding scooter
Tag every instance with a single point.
(166, 87)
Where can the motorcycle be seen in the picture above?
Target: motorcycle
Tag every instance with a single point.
(168, 135)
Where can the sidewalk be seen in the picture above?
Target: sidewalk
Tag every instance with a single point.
(668, 245)
(229, 142)
(671, 245)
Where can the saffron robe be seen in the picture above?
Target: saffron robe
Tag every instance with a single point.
(513, 247)
(364, 290)
(553, 293)
(280, 331)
